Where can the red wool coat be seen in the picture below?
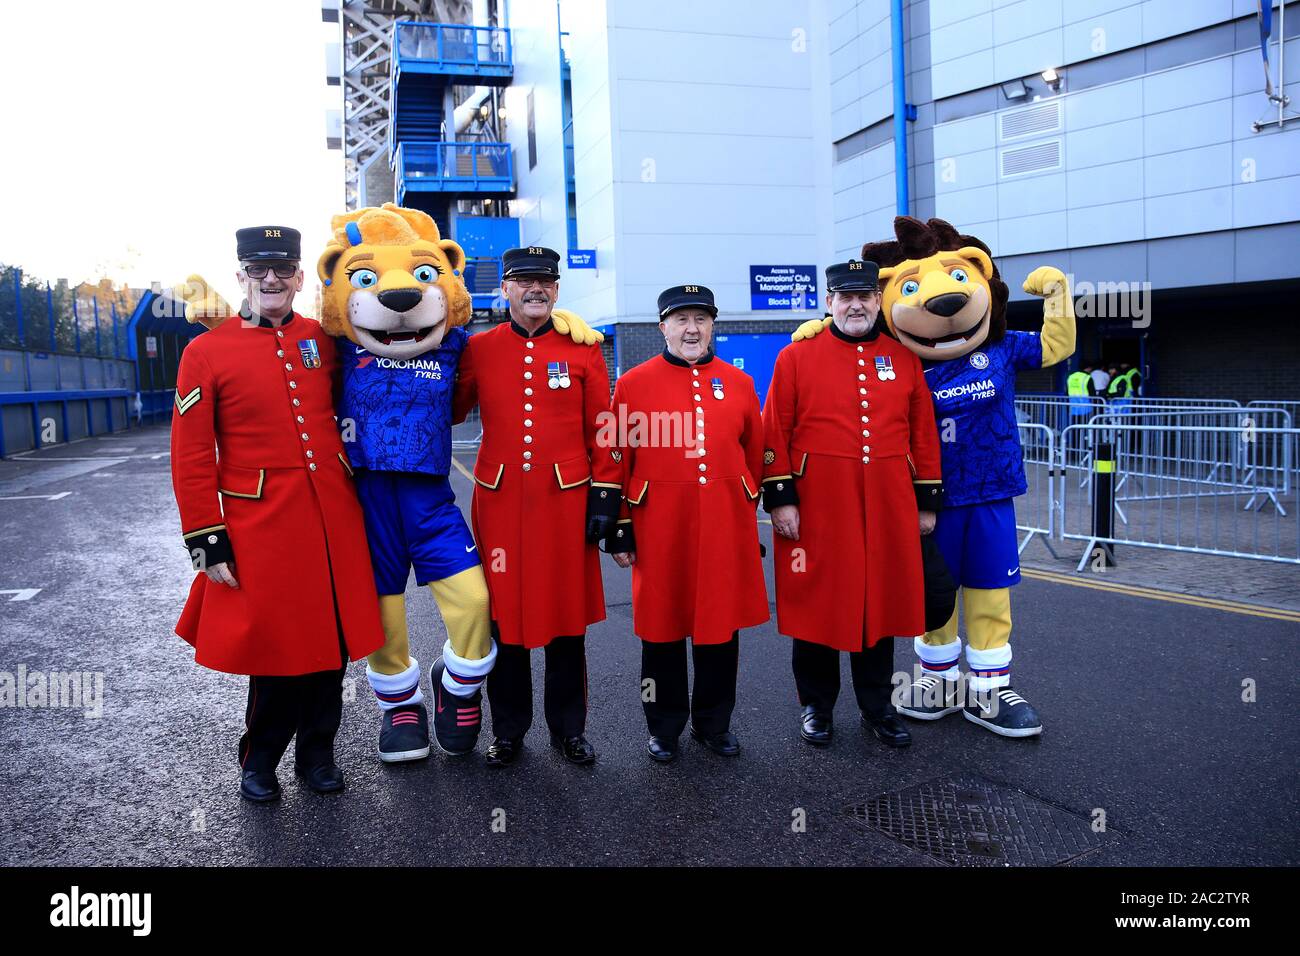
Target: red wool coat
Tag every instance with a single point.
(851, 439)
(692, 462)
(533, 475)
(261, 478)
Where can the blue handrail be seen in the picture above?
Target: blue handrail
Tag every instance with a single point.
(453, 167)
(451, 44)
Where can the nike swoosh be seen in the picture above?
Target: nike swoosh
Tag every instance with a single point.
(1012, 571)
(470, 548)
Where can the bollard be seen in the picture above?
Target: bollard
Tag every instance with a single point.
(1103, 505)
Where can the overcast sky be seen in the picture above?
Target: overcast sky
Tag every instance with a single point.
(141, 134)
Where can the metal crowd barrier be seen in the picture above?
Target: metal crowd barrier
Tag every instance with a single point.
(1036, 509)
(469, 433)
(1202, 489)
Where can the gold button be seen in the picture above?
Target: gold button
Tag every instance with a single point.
(212, 539)
(695, 371)
(312, 467)
(293, 384)
(703, 467)
(861, 362)
(310, 453)
(279, 353)
(279, 335)
(862, 391)
(528, 360)
(528, 375)
(698, 399)
(696, 384)
(530, 345)
(528, 407)
(528, 423)
(305, 436)
(703, 480)
(528, 391)
(296, 402)
(865, 433)
(861, 377)
(527, 467)
(288, 366)
(527, 455)
(780, 486)
(859, 348)
(865, 459)
(301, 419)
(701, 452)
(528, 439)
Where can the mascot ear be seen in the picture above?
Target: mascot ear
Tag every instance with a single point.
(885, 275)
(325, 264)
(330, 319)
(455, 254)
(979, 257)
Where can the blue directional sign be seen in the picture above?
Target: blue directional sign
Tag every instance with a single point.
(788, 288)
(582, 258)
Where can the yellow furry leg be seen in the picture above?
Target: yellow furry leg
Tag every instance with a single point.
(988, 617)
(463, 601)
(395, 656)
(946, 634)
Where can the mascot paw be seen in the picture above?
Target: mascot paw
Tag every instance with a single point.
(810, 328)
(203, 304)
(571, 324)
(1046, 280)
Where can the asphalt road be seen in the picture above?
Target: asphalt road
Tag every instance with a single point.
(1142, 702)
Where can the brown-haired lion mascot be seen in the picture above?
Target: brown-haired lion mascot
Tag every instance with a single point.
(394, 289)
(943, 298)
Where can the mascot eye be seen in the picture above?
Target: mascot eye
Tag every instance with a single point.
(910, 287)
(425, 274)
(959, 275)
(363, 278)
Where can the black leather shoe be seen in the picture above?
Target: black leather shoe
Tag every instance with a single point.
(662, 749)
(259, 786)
(888, 729)
(322, 778)
(575, 749)
(815, 727)
(503, 751)
(724, 744)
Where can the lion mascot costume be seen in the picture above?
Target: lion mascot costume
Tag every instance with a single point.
(943, 298)
(393, 287)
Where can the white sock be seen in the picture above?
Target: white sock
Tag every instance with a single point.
(462, 677)
(397, 690)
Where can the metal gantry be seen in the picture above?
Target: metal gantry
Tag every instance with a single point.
(367, 34)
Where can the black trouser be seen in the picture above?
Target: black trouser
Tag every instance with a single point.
(510, 688)
(310, 705)
(668, 702)
(817, 676)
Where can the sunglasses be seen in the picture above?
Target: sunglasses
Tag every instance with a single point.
(258, 270)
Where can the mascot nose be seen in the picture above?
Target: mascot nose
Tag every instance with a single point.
(401, 300)
(946, 305)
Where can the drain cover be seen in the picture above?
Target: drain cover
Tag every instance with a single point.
(966, 820)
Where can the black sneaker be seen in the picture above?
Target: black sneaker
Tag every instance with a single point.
(456, 720)
(928, 698)
(1004, 712)
(404, 734)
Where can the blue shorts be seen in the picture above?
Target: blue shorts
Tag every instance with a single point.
(979, 544)
(412, 520)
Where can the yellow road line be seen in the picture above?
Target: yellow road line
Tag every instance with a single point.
(461, 468)
(1133, 590)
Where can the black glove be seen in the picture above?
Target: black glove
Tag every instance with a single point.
(599, 527)
(940, 588)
